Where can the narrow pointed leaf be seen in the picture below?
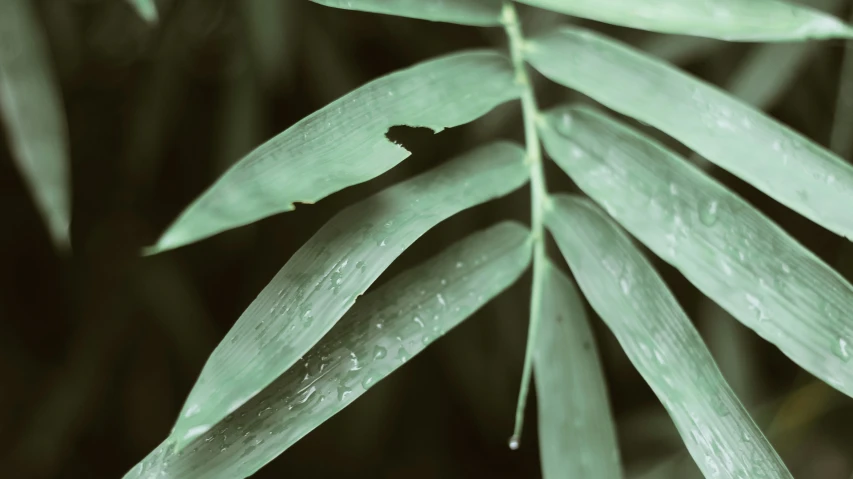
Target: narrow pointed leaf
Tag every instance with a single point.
(724, 246)
(733, 20)
(465, 12)
(780, 162)
(322, 280)
(656, 334)
(32, 113)
(577, 437)
(382, 331)
(146, 9)
(344, 143)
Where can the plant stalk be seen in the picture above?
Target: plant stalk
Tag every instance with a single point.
(538, 204)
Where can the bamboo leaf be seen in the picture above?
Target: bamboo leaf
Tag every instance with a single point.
(146, 9)
(737, 137)
(381, 332)
(344, 143)
(724, 246)
(577, 437)
(33, 116)
(465, 12)
(732, 20)
(630, 296)
(322, 280)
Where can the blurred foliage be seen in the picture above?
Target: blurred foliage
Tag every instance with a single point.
(98, 349)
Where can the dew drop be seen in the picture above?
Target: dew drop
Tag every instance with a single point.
(360, 266)
(419, 321)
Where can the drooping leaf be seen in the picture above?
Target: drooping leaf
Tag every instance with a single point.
(780, 162)
(146, 9)
(344, 143)
(732, 20)
(577, 437)
(322, 280)
(841, 139)
(382, 331)
(464, 12)
(32, 113)
(723, 245)
(656, 334)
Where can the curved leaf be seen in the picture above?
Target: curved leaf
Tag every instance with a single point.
(465, 12)
(32, 112)
(733, 20)
(630, 296)
(724, 246)
(775, 159)
(344, 143)
(381, 332)
(321, 281)
(577, 437)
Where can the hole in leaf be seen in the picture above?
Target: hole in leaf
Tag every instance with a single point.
(411, 138)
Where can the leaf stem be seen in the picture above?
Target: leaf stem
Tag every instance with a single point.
(538, 204)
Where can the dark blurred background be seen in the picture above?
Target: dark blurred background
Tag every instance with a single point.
(99, 348)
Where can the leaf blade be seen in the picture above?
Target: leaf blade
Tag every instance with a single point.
(742, 140)
(31, 106)
(724, 246)
(321, 281)
(630, 296)
(344, 143)
(732, 20)
(483, 13)
(577, 437)
(474, 270)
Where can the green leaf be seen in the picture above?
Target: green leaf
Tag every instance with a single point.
(146, 9)
(464, 12)
(724, 246)
(732, 20)
(630, 296)
(381, 332)
(344, 143)
(737, 137)
(33, 116)
(768, 71)
(577, 437)
(322, 280)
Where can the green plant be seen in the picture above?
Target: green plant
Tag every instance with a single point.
(306, 348)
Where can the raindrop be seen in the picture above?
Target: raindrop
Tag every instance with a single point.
(379, 352)
(419, 321)
(708, 213)
(367, 382)
(459, 264)
(441, 300)
(514, 443)
(402, 355)
(343, 392)
(840, 350)
(360, 266)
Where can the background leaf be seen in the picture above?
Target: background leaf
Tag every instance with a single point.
(344, 143)
(630, 296)
(465, 12)
(381, 332)
(778, 161)
(324, 278)
(33, 115)
(577, 437)
(723, 245)
(146, 9)
(734, 20)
